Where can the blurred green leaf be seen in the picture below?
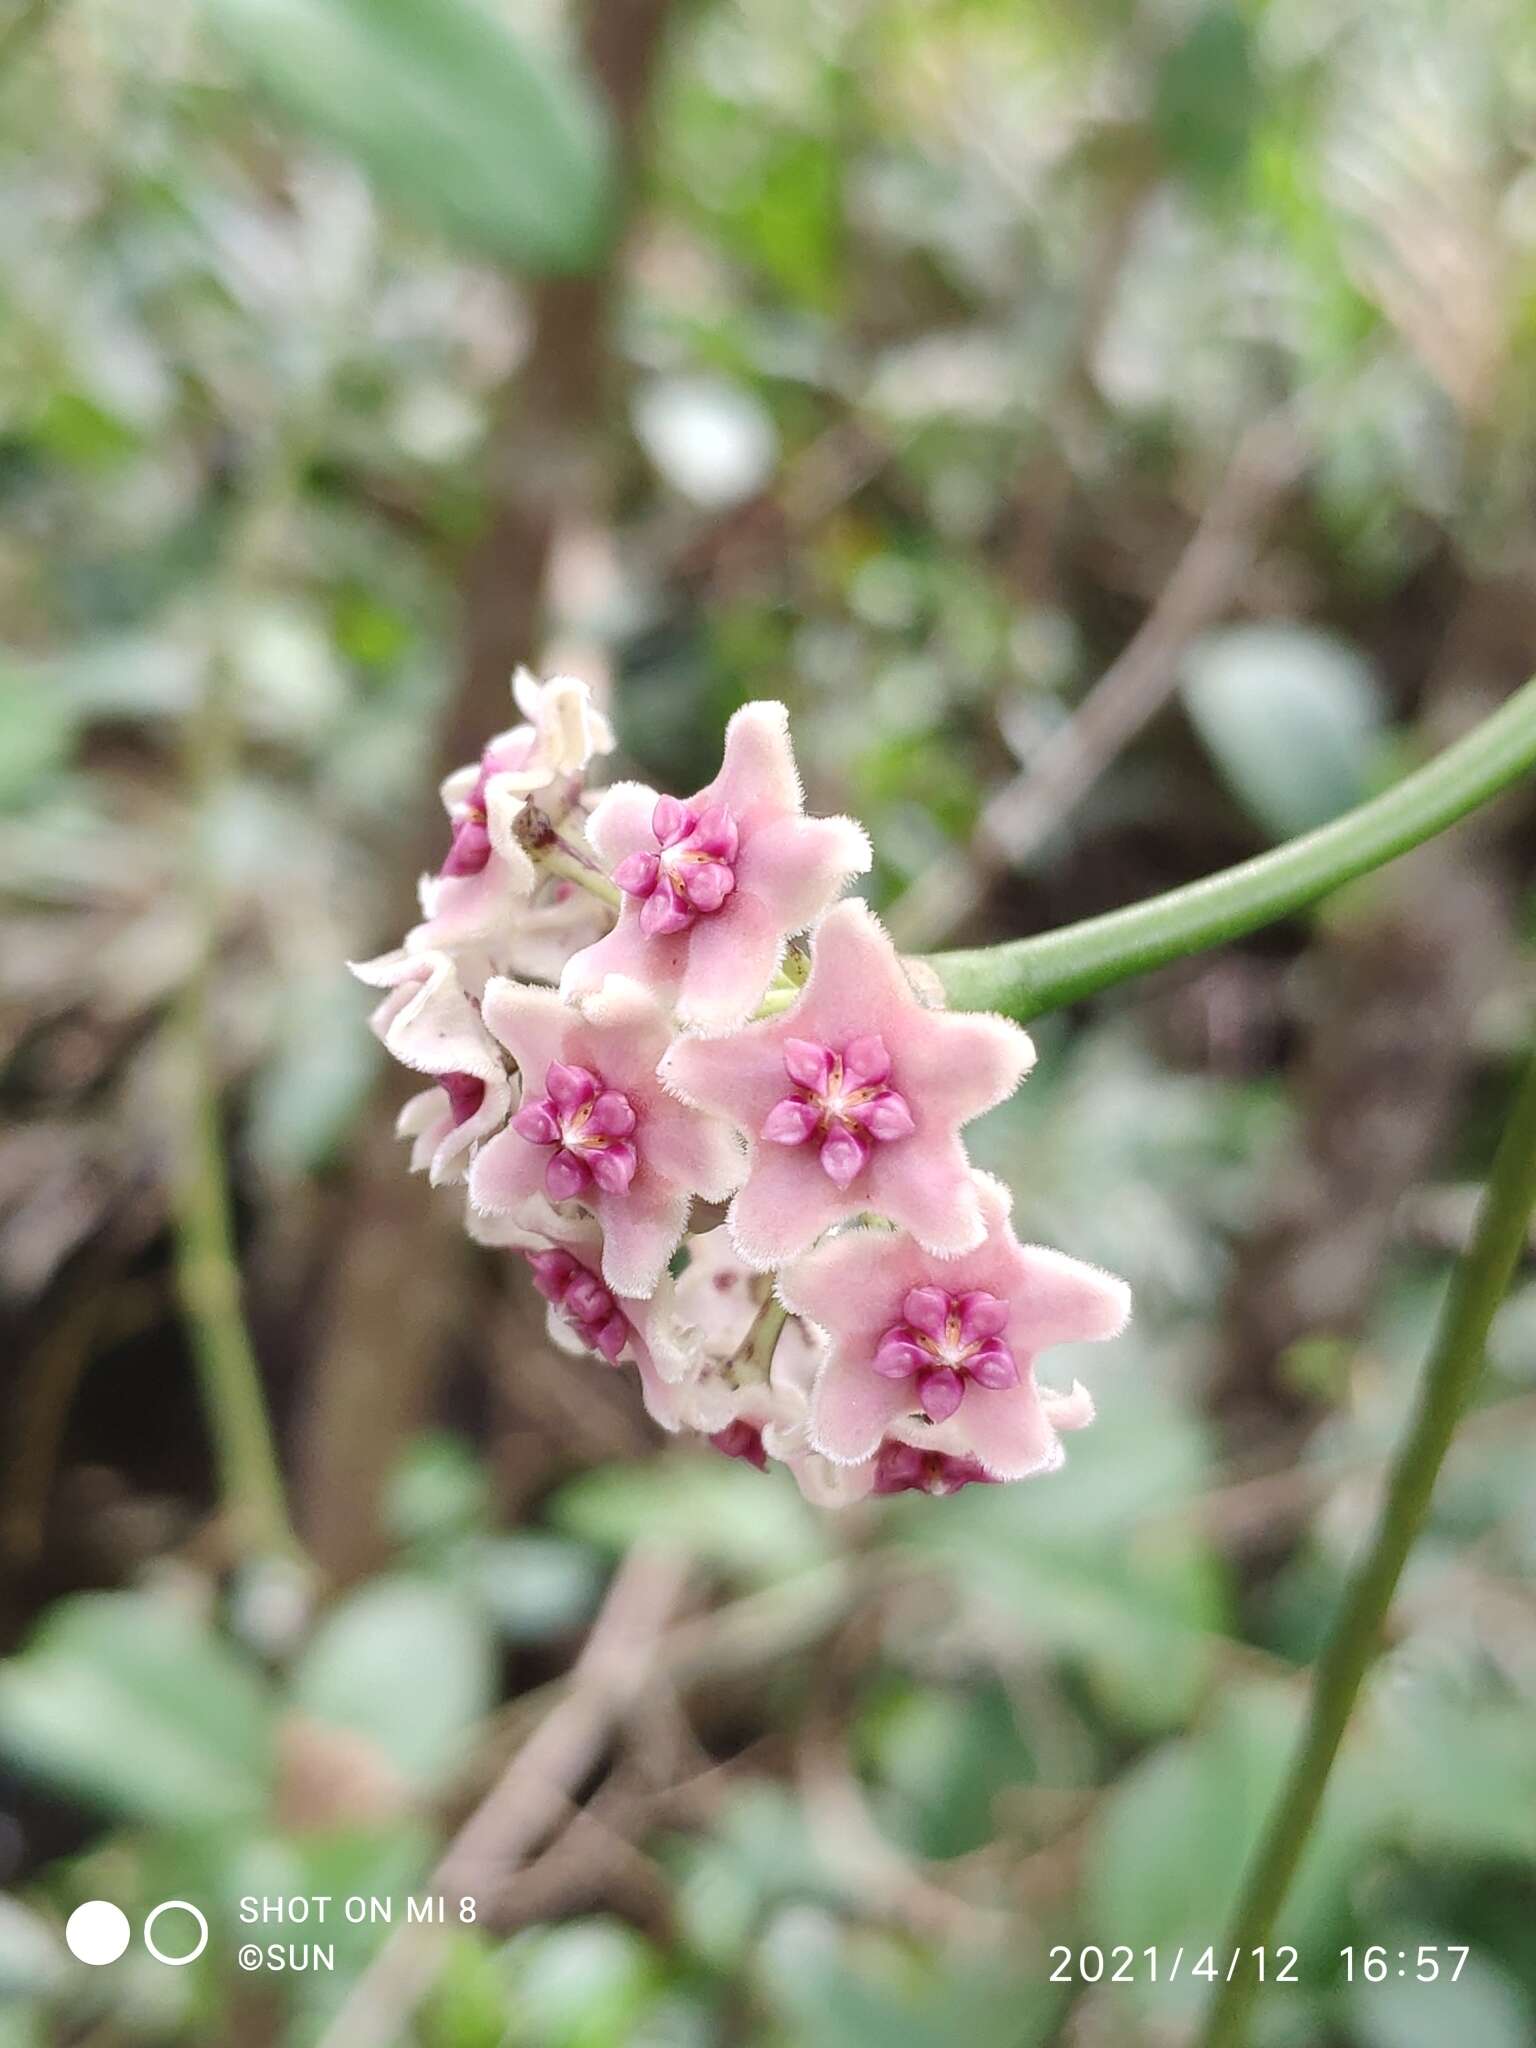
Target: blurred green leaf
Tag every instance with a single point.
(1174, 1835)
(38, 724)
(1097, 1563)
(130, 1701)
(32, 1955)
(481, 134)
(941, 1756)
(753, 1525)
(536, 1585)
(1483, 2008)
(439, 1493)
(1292, 717)
(837, 1997)
(304, 1099)
(1462, 1774)
(1207, 100)
(584, 1985)
(760, 1855)
(408, 1662)
(468, 2004)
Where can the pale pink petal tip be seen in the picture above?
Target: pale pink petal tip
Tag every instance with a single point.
(854, 1099)
(917, 1343)
(715, 883)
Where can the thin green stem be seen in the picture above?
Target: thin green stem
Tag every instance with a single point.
(208, 1280)
(1028, 976)
(207, 1266)
(1482, 1277)
(559, 859)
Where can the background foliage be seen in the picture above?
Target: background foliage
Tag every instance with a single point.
(958, 365)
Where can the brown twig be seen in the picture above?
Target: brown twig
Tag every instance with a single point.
(382, 1344)
(530, 1797)
(1131, 691)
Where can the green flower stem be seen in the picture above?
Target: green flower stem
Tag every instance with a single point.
(206, 1261)
(1481, 1279)
(562, 860)
(1028, 976)
(208, 1282)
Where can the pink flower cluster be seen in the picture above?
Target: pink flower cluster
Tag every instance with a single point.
(634, 1010)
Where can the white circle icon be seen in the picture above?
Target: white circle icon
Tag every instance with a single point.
(159, 1954)
(96, 1932)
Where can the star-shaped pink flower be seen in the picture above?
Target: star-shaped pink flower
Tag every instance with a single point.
(853, 1100)
(427, 1021)
(563, 1248)
(950, 1341)
(596, 1126)
(486, 877)
(714, 885)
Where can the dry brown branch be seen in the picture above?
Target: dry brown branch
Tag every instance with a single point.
(528, 1800)
(1205, 582)
(886, 1882)
(383, 1343)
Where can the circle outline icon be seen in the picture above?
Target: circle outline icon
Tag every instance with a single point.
(96, 1927)
(168, 1906)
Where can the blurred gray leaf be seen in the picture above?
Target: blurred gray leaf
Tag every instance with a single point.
(583, 1985)
(754, 1525)
(1174, 1836)
(1292, 717)
(1095, 1563)
(535, 1585)
(32, 1957)
(408, 1662)
(1483, 2007)
(712, 440)
(131, 1702)
(37, 734)
(305, 1098)
(483, 136)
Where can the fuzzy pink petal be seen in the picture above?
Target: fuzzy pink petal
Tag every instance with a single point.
(740, 1077)
(1008, 1430)
(785, 1205)
(620, 823)
(1072, 1410)
(731, 960)
(428, 1122)
(697, 1151)
(851, 1409)
(662, 1398)
(757, 774)
(450, 1158)
(532, 1023)
(854, 1285)
(621, 1033)
(426, 1020)
(1062, 1300)
(641, 1231)
(959, 1065)
(926, 1185)
(507, 1174)
(856, 987)
(800, 865)
(657, 963)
